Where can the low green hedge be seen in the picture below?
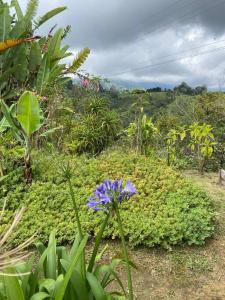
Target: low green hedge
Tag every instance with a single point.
(167, 210)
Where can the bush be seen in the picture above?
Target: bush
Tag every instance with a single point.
(95, 130)
(168, 209)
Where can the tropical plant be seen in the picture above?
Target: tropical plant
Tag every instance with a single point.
(142, 134)
(23, 119)
(97, 128)
(173, 139)
(36, 64)
(58, 275)
(202, 142)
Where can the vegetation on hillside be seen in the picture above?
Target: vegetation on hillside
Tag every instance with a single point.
(70, 147)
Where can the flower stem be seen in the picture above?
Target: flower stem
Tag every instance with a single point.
(83, 265)
(130, 287)
(97, 243)
(75, 209)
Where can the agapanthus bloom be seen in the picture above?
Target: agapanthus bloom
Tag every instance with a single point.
(110, 191)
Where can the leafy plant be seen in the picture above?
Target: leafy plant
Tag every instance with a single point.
(96, 129)
(202, 141)
(58, 275)
(142, 134)
(36, 64)
(173, 139)
(167, 210)
(24, 122)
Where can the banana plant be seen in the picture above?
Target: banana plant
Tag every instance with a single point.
(23, 119)
(26, 60)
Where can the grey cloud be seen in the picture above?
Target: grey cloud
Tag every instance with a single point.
(126, 34)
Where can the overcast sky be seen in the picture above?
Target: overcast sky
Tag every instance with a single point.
(162, 41)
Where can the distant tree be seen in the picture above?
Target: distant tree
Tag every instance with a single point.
(138, 91)
(200, 90)
(155, 89)
(113, 91)
(183, 88)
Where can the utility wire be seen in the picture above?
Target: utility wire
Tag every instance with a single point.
(167, 62)
(182, 52)
(206, 8)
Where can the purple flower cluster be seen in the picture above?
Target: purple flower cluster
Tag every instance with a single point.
(108, 192)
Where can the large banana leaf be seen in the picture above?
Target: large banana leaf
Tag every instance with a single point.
(54, 45)
(21, 60)
(49, 15)
(35, 57)
(43, 73)
(5, 22)
(28, 113)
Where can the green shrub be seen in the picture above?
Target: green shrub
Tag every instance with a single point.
(168, 209)
(95, 130)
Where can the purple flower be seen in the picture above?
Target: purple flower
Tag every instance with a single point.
(110, 191)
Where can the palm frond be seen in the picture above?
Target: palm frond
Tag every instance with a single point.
(78, 61)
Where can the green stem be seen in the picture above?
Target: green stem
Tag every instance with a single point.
(130, 287)
(75, 209)
(97, 243)
(83, 265)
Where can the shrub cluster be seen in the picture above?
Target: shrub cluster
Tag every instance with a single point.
(167, 210)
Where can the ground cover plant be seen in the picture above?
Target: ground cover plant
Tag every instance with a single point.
(166, 211)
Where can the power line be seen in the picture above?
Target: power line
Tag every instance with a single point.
(182, 18)
(180, 53)
(167, 62)
(177, 21)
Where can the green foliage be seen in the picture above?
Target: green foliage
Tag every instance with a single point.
(96, 129)
(173, 139)
(167, 211)
(28, 113)
(23, 124)
(202, 141)
(57, 274)
(142, 134)
(79, 60)
(37, 64)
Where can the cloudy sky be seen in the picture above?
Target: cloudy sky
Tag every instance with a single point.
(161, 41)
